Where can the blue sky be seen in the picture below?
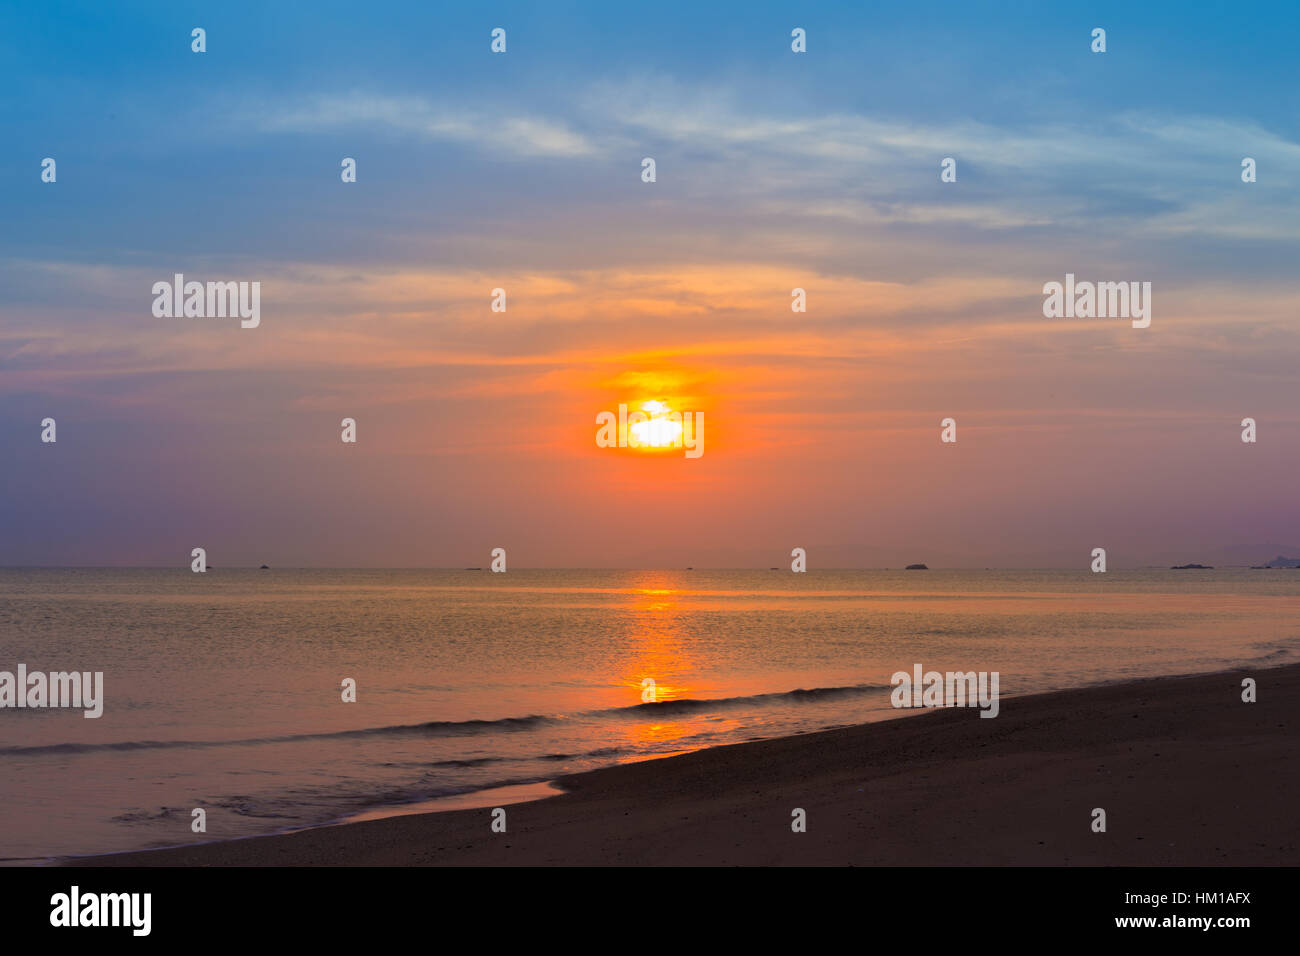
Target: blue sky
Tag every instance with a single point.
(145, 130)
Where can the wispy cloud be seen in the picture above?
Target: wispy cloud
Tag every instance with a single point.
(1162, 175)
(511, 133)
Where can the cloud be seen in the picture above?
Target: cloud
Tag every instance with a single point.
(1161, 175)
(486, 129)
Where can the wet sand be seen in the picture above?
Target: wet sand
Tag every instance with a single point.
(1187, 773)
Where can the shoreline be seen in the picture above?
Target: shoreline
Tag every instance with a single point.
(1188, 775)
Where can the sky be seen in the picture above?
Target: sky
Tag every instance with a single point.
(522, 171)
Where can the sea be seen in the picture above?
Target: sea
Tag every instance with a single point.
(227, 691)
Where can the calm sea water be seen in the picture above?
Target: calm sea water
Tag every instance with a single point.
(223, 691)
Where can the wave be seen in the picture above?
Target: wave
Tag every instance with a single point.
(690, 704)
(436, 728)
(455, 728)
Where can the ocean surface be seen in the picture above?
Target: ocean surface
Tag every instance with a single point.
(223, 691)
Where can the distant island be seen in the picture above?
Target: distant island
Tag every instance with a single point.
(916, 567)
(1191, 567)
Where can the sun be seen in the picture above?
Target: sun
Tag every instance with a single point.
(661, 430)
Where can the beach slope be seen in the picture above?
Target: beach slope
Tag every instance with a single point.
(1187, 773)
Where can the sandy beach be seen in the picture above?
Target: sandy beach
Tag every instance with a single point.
(1187, 773)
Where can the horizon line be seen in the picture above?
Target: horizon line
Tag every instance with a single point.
(415, 567)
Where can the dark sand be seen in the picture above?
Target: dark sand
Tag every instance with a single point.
(1187, 774)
